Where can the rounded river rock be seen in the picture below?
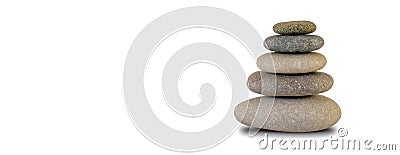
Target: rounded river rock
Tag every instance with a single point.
(291, 63)
(294, 27)
(293, 43)
(289, 85)
(289, 114)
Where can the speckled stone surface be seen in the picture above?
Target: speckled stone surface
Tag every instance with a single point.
(291, 63)
(293, 43)
(289, 114)
(289, 85)
(294, 27)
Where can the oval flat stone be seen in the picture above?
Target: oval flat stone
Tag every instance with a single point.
(293, 43)
(289, 114)
(289, 85)
(291, 63)
(295, 27)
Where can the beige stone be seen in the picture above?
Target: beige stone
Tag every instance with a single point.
(289, 114)
(291, 63)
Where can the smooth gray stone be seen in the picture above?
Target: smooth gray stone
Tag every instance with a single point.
(291, 63)
(289, 85)
(289, 114)
(293, 43)
(294, 27)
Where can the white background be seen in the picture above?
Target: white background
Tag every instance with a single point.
(61, 67)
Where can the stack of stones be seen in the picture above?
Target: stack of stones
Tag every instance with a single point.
(290, 82)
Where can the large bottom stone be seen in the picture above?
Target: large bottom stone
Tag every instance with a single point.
(289, 114)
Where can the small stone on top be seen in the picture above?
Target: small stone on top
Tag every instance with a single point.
(294, 27)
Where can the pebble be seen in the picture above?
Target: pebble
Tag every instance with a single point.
(289, 85)
(289, 114)
(291, 63)
(293, 43)
(294, 27)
